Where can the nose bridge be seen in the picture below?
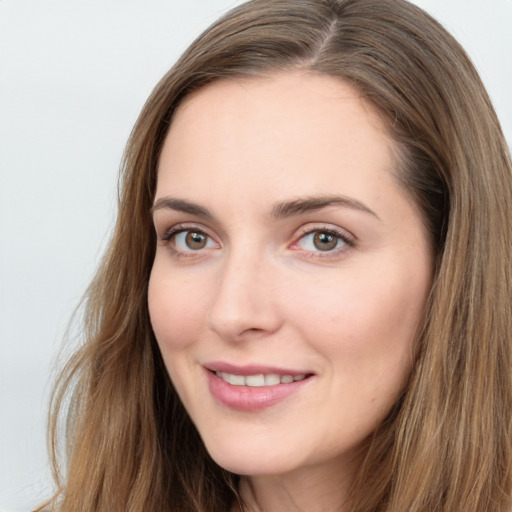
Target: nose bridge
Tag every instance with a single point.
(243, 301)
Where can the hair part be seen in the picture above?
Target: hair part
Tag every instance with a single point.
(446, 445)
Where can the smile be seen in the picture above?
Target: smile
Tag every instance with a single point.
(252, 388)
(258, 380)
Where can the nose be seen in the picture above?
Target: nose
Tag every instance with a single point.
(244, 303)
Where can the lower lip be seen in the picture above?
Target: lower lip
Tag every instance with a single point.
(247, 398)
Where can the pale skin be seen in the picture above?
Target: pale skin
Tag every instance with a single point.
(285, 240)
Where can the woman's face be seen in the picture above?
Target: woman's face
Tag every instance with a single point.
(291, 271)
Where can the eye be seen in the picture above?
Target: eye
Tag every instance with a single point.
(323, 240)
(189, 240)
(193, 241)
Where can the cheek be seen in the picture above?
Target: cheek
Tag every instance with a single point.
(366, 328)
(357, 313)
(388, 315)
(176, 308)
(177, 317)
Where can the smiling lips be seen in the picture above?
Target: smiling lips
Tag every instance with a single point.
(258, 380)
(252, 388)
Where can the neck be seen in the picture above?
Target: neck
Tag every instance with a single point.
(310, 489)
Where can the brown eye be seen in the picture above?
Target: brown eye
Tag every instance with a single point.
(324, 241)
(195, 241)
(190, 240)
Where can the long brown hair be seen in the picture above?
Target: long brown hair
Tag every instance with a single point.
(446, 445)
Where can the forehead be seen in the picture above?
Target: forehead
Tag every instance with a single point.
(304, 99)
(242, 145)
(296, 124)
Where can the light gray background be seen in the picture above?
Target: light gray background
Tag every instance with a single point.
(73, 78)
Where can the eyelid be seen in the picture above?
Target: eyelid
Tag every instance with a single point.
(184, 227)
(346, 237)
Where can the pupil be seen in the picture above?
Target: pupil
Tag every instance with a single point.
(325, 241)
(195, 240)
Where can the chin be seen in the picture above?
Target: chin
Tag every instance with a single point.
(251, 460)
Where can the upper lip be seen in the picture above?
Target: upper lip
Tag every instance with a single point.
(252, 369)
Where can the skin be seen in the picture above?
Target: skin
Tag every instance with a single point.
(259, 291)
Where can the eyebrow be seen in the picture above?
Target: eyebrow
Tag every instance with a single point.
(280, 210)
(311, 204)
(180, 205)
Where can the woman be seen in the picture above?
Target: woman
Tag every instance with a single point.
(313, 243)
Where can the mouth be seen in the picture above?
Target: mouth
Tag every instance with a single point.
(254, 387)
(259, 380)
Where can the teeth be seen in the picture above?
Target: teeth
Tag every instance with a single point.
(255, 381)
(236, 380)
(272, 380)
(258, 380)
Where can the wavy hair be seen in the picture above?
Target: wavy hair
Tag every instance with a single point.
(446, 445)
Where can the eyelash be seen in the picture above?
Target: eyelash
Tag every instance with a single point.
(347, 240)
(341, 236)
(174, 231)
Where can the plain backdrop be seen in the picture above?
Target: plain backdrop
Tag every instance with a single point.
(73, 78)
